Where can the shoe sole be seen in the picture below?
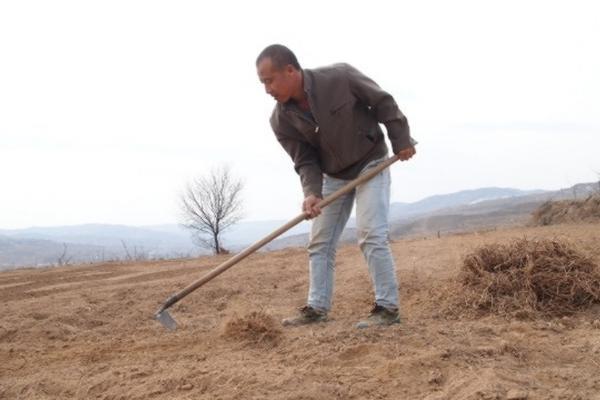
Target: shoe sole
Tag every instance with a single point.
(290, 323)
(366, 324)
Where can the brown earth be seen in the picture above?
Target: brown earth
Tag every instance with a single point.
(88, 333)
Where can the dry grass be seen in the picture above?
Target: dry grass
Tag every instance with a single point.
(557, 212)
(529, 278)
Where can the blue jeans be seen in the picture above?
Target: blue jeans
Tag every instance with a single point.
(372, 210)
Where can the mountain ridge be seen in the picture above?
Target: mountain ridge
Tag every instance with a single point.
(92, 242)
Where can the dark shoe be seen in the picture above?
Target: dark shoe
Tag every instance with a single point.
(307, 315)
(380, 316)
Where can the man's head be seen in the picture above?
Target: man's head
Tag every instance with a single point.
(279, 70)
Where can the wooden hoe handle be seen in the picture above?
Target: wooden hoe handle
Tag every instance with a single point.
(371, 172)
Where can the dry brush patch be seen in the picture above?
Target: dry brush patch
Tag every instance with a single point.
(557, 212)
(525, 278)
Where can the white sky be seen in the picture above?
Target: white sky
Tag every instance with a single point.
(107, 108)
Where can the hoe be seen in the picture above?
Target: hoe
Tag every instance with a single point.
(163, 316)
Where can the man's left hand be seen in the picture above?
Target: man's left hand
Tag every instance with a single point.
(406, 154)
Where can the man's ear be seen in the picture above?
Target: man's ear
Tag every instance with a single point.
(289, 69)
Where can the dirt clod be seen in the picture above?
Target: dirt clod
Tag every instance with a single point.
(257, 327)
(514, 394)
(435, 378)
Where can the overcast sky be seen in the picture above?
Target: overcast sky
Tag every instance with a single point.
(107, 108)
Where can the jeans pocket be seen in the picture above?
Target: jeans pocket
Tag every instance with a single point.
(373, 163)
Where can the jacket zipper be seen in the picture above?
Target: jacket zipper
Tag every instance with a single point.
(310, 103)
(313, 123)
(316, 125)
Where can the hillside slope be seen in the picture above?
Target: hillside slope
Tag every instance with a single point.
(480, 209)
(88, 332)
(447, 213)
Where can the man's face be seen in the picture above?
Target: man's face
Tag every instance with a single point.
(279, 83)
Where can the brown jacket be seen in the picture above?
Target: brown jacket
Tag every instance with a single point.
(344, 134)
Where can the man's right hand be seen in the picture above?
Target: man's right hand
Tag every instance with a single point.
(406, 154)
(310, 206)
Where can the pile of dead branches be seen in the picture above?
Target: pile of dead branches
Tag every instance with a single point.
(529, 278)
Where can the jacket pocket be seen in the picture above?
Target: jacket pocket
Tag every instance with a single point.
(370, 136)
(371, 133)
(346, 102)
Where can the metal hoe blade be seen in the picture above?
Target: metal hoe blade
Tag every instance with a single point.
(166, 320)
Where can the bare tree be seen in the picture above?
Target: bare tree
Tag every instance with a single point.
(139, 254)
(126, 250)
(64, 258)
(210, 205)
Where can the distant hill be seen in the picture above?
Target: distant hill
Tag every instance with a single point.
(465, 210)
(238, 235)
(466, 197)
(459, 212)
(102, 235)
(42, 246)
(39, 252)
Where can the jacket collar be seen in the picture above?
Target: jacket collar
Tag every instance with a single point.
(306, 86)
(307, 80)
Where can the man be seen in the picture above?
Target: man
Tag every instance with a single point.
(327, 119)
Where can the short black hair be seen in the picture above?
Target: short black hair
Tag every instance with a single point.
(280, 56)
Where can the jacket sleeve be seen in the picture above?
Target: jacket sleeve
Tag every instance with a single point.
(385, 109)
(306, 161)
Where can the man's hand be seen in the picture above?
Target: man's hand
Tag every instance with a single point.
(309, 205)
(406, 154)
